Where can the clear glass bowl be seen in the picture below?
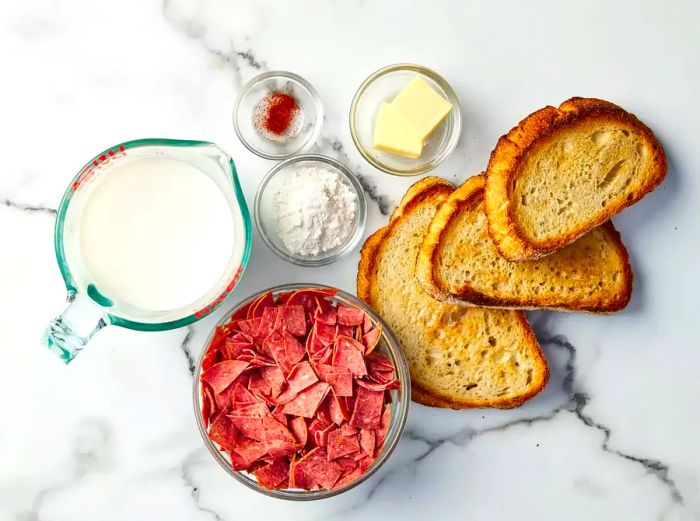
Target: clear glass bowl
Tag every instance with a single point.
(264, 211)
(382, 86)
(400, 399)
(254, 92)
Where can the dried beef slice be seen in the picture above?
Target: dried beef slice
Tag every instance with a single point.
(294, 392)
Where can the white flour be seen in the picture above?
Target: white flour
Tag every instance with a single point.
(315, 210)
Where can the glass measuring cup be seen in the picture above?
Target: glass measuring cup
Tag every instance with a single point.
(89, 309)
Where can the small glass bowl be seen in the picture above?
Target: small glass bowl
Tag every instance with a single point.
(264, 211)
(382, 86)
(400, 399)
(311, 112)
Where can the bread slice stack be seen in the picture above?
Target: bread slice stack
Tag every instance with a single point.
(458, 356)
(454, 268)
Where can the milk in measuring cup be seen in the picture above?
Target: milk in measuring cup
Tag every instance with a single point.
(156, 233)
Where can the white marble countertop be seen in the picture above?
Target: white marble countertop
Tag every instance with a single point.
(112, 436)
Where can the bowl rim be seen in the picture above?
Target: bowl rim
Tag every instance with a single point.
(453, 139)
(360, 220)
(396, 428)
(318, 122)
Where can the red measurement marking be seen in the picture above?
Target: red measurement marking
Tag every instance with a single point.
(218, 300)
(87, 172)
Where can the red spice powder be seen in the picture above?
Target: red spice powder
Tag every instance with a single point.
(280, 111)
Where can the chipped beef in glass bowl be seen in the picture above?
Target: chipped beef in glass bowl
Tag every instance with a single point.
(301, 392)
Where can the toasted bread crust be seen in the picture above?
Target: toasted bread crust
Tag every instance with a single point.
(462, 199)
(367, 269)
(511, 149)
(420, 395)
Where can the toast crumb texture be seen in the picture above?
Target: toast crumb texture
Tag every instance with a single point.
(459, 263)
(458, 356)
(562, 172)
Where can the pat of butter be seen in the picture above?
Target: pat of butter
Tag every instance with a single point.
(422, 107)
(393, 133)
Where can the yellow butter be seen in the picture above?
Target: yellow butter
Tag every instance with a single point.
(394, 134)
(422, 107)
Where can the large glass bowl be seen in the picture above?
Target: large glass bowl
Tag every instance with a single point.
(400, 399)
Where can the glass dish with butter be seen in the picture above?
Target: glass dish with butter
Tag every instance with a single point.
(405, 119)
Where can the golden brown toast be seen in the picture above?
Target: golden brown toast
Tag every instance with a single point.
(562, 172)
(458, 356)
(459, 263)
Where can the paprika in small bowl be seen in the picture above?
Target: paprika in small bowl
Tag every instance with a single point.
(278, 114)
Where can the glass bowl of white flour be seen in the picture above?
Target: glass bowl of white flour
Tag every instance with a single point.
(310, 210)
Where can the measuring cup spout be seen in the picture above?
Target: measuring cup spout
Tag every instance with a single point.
(70, 332)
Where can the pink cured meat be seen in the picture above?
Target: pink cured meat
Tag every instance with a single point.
(348, 478)
(339, 378)
(258, 305)
(348, 430)
(224, 432)
(300, 430)
(259, 386)
(341, 382)
(347, 463)
(371, 339)
(326, 333)
(209, 407)
(280, 448)
(274, 378)
(328, 316)
(348, 357)
(250, 451)
(348, 331)
(250, 326)
(301, 376)
(234, 349)
(223, 374)
(275, 343)
(294, 415)
(374, 386)
(347, 341)
(266, 428)
(321, 436)
(279, 415)
(367, 324)
(339, 445)
(273, 474)
(293, 319)
(308, 297)
(240, 395)
(286, 396)
(257, 409)
(368, 409)
(318, 470)
(237, 461)
(336, 409)
(350, 316)
(294, 350)
(306, 403)
(367, 441)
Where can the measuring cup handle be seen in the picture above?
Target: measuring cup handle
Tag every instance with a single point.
(70, 332)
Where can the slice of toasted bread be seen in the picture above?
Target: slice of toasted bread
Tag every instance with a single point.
(562, 172)
(459, 263)
(458, 356)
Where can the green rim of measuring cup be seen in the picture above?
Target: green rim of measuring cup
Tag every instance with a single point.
(68, 195)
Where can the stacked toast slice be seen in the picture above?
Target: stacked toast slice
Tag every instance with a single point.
(459, 263)
(454, 268)
(458, 356)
